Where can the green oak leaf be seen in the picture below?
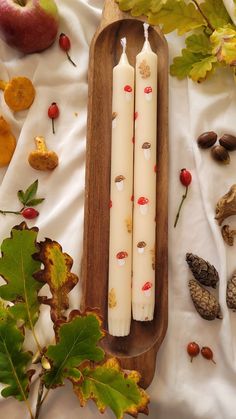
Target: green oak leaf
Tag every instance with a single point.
(140, 7)
(193, 65)
(216, 12)
(199, 43)
(224, 44)
(200, 69)
(77, 342)
(17, 268)
(13, 360)
(183, 64)
(109, 386)
(176, 14)
(57, 275)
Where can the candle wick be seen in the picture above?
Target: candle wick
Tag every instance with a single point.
(146, 26)
(123, 43)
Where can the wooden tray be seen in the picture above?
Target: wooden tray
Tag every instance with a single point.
(138, 350)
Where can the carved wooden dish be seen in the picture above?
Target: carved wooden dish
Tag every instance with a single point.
(138, 350)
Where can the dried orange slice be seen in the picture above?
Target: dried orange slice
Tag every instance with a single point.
(7, 143)
(19, 93)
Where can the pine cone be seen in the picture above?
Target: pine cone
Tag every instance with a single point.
(203, 271)
(231, 292)
(205, 303)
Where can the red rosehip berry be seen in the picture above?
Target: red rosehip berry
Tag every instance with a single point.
(193, 350)
(207, 353)
(29, 213)
(53, 113)
(185, 177)
(64, 43)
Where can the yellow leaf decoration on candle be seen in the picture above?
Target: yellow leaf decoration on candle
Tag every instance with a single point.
(153, 253)
(112, 299)
(144, 70)
(114, 116)
(128, 223)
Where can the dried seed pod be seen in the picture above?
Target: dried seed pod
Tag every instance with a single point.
(228, 141)
(203, 271)
(207, 139)
(205, 303)
(220, 154)
(231, 292)
(226, 206)
(228, 235)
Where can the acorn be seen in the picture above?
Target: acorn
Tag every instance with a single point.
(220, 154)
(228, 141)
(207, 139)
(203, 271)
(205, 303)
(231, 292)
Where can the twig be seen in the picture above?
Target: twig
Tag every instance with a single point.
(39, 399)
(203, 15)
(180, 206)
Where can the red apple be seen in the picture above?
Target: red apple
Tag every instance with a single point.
(28, 25)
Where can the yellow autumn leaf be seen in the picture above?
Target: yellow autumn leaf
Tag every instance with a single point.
(223, 41)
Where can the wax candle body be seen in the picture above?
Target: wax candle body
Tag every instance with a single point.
(121, 186)
(144, 224)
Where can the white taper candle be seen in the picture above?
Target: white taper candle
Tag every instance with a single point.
(121, 186)
(144, 224)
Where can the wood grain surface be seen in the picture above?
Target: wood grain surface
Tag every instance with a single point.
(138, 350)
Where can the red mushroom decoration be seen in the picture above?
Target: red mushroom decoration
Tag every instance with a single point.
(128, 90)
(148, 93)
(143, 205)
(146, 288)
(121, 256)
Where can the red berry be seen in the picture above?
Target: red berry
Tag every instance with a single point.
(193, 350)
(185, 177)
(30, 213)
(53, 113)
(64, 43)
(207, 353)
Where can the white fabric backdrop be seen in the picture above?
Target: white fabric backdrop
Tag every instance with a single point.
(180, 390)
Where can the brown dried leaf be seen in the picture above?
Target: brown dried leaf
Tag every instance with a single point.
(57, 275)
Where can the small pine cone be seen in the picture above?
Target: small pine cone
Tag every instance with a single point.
(203, 271)
(205, 303)
(231, 292)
